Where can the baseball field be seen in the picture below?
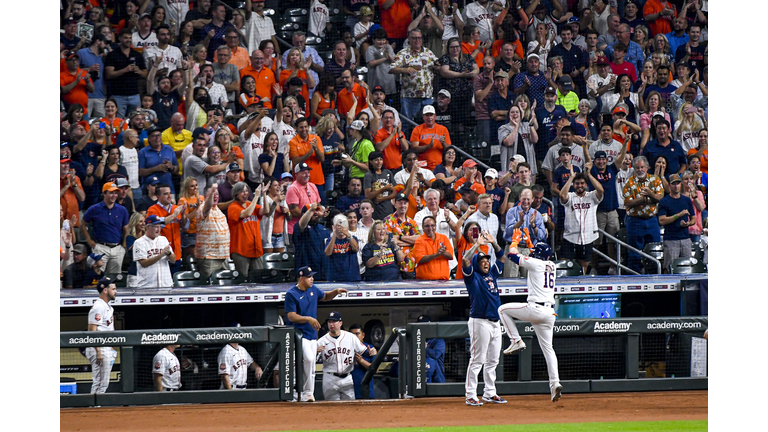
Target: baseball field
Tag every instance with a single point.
(650, 411)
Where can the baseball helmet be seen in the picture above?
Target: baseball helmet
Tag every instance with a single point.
(542, 251)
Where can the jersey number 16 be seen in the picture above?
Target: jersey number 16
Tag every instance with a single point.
(549, 280)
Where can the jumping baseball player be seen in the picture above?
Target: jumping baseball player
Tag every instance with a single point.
(301, 313)
(336, 351)
(539, 310)
(234, 362)
(100, 318)
(166, 370)
(480, 278)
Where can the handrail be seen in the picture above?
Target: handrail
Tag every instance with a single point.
(382, 352)
(617, 262)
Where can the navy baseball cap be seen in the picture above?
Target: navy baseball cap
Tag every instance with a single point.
(377, 88)
(201, 130)
(423, 318)
(306, 271)
(93, 259)
(104, 282)
(152, 129)
(550, 89)
(334, 316)
(600, 154)
(152, 180)
(154, 220)
(233, 167)
(301, 167)
(482, 255)
(401, 196)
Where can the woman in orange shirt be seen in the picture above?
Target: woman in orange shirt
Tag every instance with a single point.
(467, 238)
(271, 61)
(297, 67)
(247, 92)
(471, 44)
(244, 228)
(324, 97)
(224, 140)
(192, 198)
(111, 119)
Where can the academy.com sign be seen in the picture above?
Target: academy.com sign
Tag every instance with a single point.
(160, 338)
(611, 327)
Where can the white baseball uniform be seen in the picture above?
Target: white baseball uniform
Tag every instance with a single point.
(158, 274)
(539, 310)
(234, 362)
(101, 314)
(581, 218)
(338, 358)
(166, 364)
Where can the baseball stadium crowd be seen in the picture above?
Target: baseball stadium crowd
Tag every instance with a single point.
(376, 140)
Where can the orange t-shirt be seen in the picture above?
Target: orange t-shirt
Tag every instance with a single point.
(245, 234)
(704, 158)
(322, 105)
(346, 98)
(238, 155)
(438, 268)
(393, 155)
(284, 74)
(424, 135)
(300, 147)
(496, 50)
(457, 184)
(463, 246)
(265, 79)
(192, 206)
(78, 94)
(116, 124)
(662, 24)
(414, 206)
(468, 48)
(239, 58)
(69, 200)
(171, 231)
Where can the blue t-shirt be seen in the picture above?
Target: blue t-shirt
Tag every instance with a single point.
(88, 59)
(607, 179)
(89, 155)
(347, 202)
(546, 123)
(483, 290)
(386, 267)
(669, 206)
(676, 156)
(303, 303)
(279, 164)
(107, 223)
(561, 175)
(149, 158)
(310, 248)
(497, 195)
(342, 264)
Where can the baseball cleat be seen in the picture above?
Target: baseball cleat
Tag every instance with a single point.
(556, 392)
(494, 399)
(515, 346)
(474, 402)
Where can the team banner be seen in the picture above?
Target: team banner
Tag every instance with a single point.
(196, 336)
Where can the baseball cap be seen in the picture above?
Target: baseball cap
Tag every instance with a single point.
(104, 282)
(474, 187)
(109, 187)
(550, 89)
(329, 111)
(152, 129)
(482, 255)
(573, 19)
(306, 271)
(423, 318)
(401, 196)
(563, 149)
(532, 55)
(134, 114)
(72, 54)
(658, 113)
(93, 259)
(335, 316)
(602, 60)
(152, 180)
(518, 158)
(154, 220)
(366, 10)
(619, 109)
(233, 167)
(79, 248)
(303, 166)
(145, 15)
(469, 163)
(445, 93)
(256, 100)
(492, 173)
(286, 175)
(600, 154)
(295, 81)
(566, 82)
(200, 131)
(429, 109)
(357, 125)
(122, 182)
(63, 159)
(378, 88)
(674, 178)
(501, 74)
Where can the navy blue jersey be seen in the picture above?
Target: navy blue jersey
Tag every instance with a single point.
(561, 175)
(303, 303)
(607, 179)
(483, 290)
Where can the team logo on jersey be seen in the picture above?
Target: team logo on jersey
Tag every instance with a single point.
(222, 366)
(98, 317)
(157, 365)
(311, 294)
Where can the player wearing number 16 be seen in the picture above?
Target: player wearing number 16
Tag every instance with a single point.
(539, 310)
(480, 278)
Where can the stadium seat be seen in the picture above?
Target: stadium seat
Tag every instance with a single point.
(655, 250)
(687, 266)
(697, 251)
(121, 279)
(227, 277)
(566, 267)
(289, 27)
(480, 150)
(184, 279)
(295, 12)
(265, 276)
(326, 55)
(314, 41)
(188, 263)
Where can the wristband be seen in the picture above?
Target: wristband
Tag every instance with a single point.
(675, 217)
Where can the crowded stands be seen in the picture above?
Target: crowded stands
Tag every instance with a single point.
(232, 142)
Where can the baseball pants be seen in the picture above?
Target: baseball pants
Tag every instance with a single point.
(101, 371)
(335, 388)
(113, 257)
(309, 356)
(543, 320)
(485, 336)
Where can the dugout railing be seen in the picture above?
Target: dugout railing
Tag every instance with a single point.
(271, 346)
(594, 355)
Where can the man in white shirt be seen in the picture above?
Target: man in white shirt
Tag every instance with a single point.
(258, 26)
(170, 55)
(166, 371)
(484, 217)
(143, 37)
(580, 215)
(480, 14)
(153, 254)
(175, 11)
(424, 175)
(129, 158)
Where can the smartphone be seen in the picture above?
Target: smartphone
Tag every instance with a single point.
(102, 125)
(475, 232)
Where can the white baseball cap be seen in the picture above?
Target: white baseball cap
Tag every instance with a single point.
(445, 93)
(518, 158)
(357, 125)
(492, 173)
(429, 109)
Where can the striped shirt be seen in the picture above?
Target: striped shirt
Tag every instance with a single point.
(212, 240)
(581, 218)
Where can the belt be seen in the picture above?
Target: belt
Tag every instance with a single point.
(545, 304)
(170, 389)
(643, 217)
(487, 319)
(108, 244)
(239, 386)
(344, 375)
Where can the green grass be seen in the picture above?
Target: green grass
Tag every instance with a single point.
(656, 426)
